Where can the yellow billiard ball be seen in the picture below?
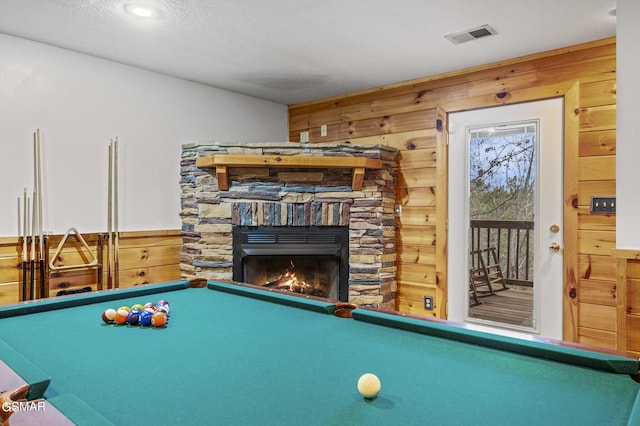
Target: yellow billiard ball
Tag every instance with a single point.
(369, 385)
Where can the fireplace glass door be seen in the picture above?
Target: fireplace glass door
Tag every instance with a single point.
(309, 260)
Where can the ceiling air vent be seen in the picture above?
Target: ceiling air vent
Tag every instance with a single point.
(472, 34)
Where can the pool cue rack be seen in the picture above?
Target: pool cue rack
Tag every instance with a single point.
(33, 240)
(34, 277)
(38, 268)
(85, 252)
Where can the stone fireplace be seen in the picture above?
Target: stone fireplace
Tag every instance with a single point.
(316, 219)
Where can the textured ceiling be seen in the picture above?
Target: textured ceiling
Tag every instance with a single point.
(290, 51)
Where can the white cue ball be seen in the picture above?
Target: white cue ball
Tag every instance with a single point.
(369, 385)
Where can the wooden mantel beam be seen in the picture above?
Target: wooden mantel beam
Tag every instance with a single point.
(222, 161)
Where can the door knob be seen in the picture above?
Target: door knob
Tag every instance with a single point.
(555, 247)
(554, 228)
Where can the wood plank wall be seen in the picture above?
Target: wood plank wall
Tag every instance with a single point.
(403, 115)
(145, 257)
(631, 311)
(628, 300)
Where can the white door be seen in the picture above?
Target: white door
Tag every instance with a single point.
(468, 132)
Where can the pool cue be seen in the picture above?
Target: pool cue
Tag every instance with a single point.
(32, 281)
(40, 224)
(116, 248)
(34, 219)
(24, 245)
(109, 217)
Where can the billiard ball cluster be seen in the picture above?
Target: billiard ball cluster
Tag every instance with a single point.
(145, 315)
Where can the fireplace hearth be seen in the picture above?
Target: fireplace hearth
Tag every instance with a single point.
(272, 222)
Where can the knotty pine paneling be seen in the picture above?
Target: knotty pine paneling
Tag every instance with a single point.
(596, 337)
(632, 308)
(145, 257)
(633, 295)
(597, 143)
(586, 189)
(591, 62)
(598, 317)
(148, 257)
(402, 115)
(10, 257)
(633, 334)
(601, 293)
(596, 222)
(628, 308)
(599, 243)
(596, 267)
(598, 118)
(599, 93)
(601, 168)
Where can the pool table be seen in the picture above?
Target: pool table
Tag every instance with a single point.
(241, 355)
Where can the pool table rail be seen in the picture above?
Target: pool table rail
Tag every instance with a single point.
(556, 350)
(68, 301)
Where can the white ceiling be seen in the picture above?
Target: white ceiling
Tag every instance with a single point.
(290, 51)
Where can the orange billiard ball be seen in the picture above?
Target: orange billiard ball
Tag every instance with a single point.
(121, 316)
(159, 319)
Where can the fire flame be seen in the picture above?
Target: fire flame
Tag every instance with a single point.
(289, 281)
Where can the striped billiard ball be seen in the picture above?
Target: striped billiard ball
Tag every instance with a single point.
(109, 315)
(121, 316)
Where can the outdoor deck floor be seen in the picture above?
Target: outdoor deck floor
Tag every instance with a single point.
(512, 306)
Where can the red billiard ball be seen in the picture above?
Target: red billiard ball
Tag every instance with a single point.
(109, 315)
(159, 319)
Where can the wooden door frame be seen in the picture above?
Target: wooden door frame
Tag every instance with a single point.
(570, 92)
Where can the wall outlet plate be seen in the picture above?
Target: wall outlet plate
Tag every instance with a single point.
(603, 205)
(428, 303)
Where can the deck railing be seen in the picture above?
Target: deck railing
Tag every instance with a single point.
(513, 240)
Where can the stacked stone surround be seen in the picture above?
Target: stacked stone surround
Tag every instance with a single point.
(263, 196)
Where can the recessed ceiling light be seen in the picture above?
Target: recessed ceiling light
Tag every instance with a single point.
(141, 10)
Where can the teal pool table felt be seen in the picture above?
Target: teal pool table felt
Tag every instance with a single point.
(240, 356)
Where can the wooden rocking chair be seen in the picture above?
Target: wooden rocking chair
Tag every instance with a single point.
(485, 272)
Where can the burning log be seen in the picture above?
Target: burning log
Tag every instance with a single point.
(288, 281)
(283, 281)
